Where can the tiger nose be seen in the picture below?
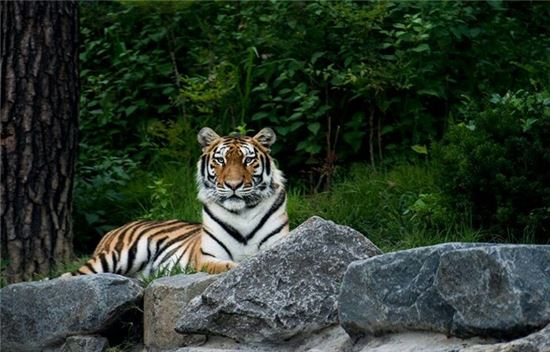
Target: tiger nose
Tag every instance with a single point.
(234, 184)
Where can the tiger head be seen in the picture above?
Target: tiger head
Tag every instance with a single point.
(237, 172)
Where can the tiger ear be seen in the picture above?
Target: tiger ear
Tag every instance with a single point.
(206, 136)
(266, 137)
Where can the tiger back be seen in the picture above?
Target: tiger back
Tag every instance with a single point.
(244, 211)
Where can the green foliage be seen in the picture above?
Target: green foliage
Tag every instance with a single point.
(99, 197)
(396, 209)
(340, 82)
(173, 195)
(497, 165)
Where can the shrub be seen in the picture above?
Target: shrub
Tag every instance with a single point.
(497, 164)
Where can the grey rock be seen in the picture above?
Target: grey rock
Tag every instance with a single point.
(90, 343)
(335, 339)
(415, 341)
(163, 302)
(536, 342)
(36, 315)
(463, 290)
(208, 349)
(285, 291)
(331, 339)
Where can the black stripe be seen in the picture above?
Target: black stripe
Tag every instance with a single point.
(171, 242)
(181, 237)
(78, 271)
(208, 254)
(182, 255)
(230, 230)
(274, 207)
(141, 266)
(158, 244)
(148, 253)
(114, 256)
(130, 230)
(276, 231)
(220, 243)
(267, 166)
(203, 165)
(104, 264)
(169, 255)
(257, 178)
(131, 255)
(132, 251)
(187, 249)
(89, 266)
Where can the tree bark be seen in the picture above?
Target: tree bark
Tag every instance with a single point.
(39, 114)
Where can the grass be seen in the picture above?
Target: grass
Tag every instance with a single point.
(399, 208)
(176, 270)
(169, 193)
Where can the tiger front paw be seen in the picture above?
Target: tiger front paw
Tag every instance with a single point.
(218, 267)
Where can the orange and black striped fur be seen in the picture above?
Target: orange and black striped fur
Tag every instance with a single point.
(244, 211)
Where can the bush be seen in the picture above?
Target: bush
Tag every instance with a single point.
(497, 163)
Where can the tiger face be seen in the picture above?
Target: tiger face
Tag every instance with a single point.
(236, 172)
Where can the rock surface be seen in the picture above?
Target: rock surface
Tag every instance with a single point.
(536, 342)
(288, 290)
(37, 315)
(335, 339)
(88, 343)
(457, 289)
(163, 302)
(416, 341)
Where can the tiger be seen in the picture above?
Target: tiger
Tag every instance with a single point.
(243, 200)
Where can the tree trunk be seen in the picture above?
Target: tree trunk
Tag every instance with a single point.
(39, 114)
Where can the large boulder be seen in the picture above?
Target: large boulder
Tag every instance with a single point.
(162, 307)
(463, 290)
(288, 290)
(38, 315)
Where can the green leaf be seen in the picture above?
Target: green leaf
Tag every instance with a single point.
(295, 125)
(313, 148)
(260, 116)
(314, 127)
(282, 130)
(421, 48)
(420, 149)
(316, 56)
(129, 110)
(428, 92)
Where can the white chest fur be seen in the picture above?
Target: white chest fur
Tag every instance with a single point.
(246, 232)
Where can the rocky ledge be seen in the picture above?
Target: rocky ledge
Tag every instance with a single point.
(325, 288)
